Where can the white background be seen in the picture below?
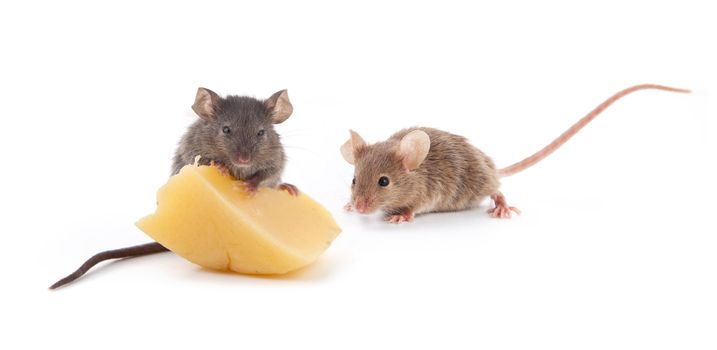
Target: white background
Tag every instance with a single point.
(615, 248)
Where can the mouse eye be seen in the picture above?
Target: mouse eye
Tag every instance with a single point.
(261, 133)
(226, 130)
(354, 181)
(383, 181)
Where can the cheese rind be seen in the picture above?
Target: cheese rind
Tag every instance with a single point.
(209, 219)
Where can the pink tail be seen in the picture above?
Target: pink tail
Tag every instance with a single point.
(540, 155)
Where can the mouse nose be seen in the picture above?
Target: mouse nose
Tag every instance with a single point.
(242, 159)
(363, 206)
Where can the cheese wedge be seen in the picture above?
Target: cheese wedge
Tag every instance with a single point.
(208, 218)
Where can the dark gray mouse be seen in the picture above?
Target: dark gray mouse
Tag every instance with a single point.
(234, 133)
(237, 134)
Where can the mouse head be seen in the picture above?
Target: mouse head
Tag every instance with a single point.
(242, 128)
(385, 172)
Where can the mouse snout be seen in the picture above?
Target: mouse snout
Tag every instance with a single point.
(242, 159)
(364, 205)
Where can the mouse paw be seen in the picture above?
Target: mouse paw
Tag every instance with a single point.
(404, 216)
(501, 210)
(348, 207)
(293, 190)
(251, 188)
(221, 167)
(248, 188)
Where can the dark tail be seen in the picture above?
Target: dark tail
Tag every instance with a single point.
(540, 155)
(138, 250)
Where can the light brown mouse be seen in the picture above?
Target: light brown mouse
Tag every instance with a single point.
(422, 170)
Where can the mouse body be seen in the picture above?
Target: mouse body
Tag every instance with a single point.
(422, 170)
(419, 170)
(234, 133)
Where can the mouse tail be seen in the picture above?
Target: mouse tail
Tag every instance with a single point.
(564, 137)
(138, 250)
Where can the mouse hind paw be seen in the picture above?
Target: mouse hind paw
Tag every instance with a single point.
(502, 210)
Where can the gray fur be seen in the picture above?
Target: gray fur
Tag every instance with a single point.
(245, 116)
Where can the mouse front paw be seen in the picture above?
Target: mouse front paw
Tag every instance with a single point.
(293, 190)
(405, 215)
(348, 207)
(247, 187)
(221, 167)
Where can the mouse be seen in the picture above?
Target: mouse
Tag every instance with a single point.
(235, 134)
(423, 170)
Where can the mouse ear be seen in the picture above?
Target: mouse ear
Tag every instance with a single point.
(413, 149)
(279, 106)
(206, 104)
(349, 148)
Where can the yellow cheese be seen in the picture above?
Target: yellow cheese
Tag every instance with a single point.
(209, 219)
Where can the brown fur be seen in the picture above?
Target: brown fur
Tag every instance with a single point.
(454, 176)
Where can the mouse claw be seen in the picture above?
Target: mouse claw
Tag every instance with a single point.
(221, 167)
(251, 189)
(293, 190)
(248, 188)
(501, 210)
